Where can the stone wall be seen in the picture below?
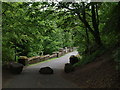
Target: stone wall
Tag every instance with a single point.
(61, 52)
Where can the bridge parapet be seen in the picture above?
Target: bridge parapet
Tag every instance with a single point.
(36, 59)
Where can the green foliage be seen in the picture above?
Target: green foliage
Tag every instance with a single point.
(85, 59)
(117, 58)
(29, 31)
(8, 54)
(32, 28)
(110, 31)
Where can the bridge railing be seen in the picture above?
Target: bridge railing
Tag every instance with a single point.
(36, 59)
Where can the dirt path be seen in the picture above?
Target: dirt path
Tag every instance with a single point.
(30, 77)
(98, 74)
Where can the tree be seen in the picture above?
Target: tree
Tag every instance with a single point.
(83, 9)
(28, 30)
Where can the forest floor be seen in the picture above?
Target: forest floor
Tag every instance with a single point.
(99, 74)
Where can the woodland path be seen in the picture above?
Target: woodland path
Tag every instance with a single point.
(31, 78)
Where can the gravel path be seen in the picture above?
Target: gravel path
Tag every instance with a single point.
(31, 78)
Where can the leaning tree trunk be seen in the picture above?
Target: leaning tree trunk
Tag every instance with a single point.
(87, 34)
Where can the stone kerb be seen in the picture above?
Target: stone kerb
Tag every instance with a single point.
(64, 51)
(42, 58)
(70, 49)
(34, 59)
(61, 51)
(60, 54)
(47, 57)
(53, 56)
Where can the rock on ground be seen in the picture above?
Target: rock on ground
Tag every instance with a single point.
(73, 59)
(16, 68)
(46, 70)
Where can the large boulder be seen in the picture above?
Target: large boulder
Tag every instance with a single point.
(68, 68)
(46, 70)
(16, 68)
(23, 60)
(73, 59)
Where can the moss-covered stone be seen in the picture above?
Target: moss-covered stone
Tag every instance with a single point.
(73, 59)
(23, 60)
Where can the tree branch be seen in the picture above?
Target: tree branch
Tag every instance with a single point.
(85, 23)
(3, 13)
(97, 16)
(89, 14)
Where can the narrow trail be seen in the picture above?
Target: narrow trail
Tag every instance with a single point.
(31, 78)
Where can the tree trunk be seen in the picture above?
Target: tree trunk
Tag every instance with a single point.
(95, 33)
(97, 38)
(87, 36)
(95, 23)
(87, 41)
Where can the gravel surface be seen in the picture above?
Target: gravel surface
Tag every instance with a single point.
(31, 78)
